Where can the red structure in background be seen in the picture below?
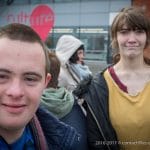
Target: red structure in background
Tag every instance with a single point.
(146, 5)
(42, 20)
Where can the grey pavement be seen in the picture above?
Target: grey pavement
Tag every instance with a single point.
(96, 66)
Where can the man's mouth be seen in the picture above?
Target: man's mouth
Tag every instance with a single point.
(14, 109)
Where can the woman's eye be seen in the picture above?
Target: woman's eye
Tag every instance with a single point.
(139, 31)
(124, 31)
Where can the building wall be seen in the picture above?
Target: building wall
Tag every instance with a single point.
(74, 13)
(146, 5)
(88, 20)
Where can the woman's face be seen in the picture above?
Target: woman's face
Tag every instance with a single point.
(80, 54)
(131, 42)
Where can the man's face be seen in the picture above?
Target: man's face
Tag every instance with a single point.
(22, 80)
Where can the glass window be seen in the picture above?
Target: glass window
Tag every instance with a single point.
(94, 38)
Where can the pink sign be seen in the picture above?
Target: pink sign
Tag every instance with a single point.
(42, 20)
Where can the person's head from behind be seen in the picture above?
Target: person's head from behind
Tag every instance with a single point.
(54, 70)
(130, 19)
(23, 77)
(78, 56)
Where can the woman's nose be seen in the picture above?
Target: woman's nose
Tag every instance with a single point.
(132, 37)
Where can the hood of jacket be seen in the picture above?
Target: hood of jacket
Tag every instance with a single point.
(58, 101)
(66, 47)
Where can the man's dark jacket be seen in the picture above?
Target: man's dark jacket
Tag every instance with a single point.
(59, 136)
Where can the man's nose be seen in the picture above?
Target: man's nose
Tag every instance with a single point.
(15, 89)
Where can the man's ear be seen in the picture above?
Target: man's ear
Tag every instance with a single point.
(47, 79)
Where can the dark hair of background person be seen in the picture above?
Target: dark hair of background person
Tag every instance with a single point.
(54, 70)
(48, 42)
(74, 58)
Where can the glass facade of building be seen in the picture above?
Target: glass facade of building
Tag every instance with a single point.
(88, 20)
(94, 38)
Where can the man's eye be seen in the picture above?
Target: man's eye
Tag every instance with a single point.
(31, 79)
(3, 78)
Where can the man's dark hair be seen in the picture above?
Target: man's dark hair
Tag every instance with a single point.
(24, 33)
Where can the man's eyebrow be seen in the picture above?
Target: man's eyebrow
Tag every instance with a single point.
(26, 73)
(5, 70)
